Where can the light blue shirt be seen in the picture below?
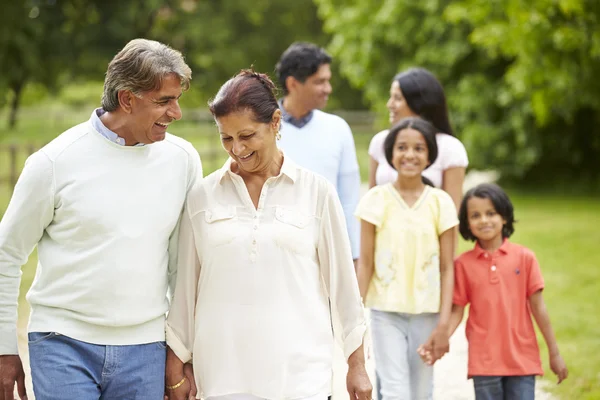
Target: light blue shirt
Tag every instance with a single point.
(104, 131)
(325, 145)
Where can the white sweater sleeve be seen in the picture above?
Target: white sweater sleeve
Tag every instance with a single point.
(29, 212)
(194, 177)
(180, 328)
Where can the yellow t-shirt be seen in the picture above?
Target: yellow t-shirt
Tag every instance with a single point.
(407, 248)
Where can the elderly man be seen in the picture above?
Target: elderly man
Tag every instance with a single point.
(318, 141)
(102, 202)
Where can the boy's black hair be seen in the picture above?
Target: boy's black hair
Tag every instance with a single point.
(301, 60)
(501, 203)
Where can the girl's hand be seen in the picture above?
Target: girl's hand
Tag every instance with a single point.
(558, 366)
(425, 354)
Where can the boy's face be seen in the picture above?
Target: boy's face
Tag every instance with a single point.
(484, 221)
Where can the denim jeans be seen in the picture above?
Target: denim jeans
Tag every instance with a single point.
(63, 368)
(504, 387)
(401, 373)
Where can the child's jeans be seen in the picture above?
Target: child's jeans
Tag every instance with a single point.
(401, 372)
(504, 387)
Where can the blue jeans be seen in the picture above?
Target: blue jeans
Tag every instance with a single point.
(504, 387)
(401, 374)
(67, 369)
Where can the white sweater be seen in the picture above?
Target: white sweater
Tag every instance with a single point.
(105, 219)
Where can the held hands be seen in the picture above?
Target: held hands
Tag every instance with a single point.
(558, 366)
(11, 372)
(183, 388)
(435, 347)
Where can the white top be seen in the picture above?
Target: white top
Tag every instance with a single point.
(254, 286)
(325, 145)
(451, 154)
(103, 217)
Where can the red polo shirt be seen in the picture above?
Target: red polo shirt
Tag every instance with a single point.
(500, 331)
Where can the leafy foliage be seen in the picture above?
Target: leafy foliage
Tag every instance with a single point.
(519, 75)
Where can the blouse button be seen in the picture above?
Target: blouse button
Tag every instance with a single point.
(493, 268)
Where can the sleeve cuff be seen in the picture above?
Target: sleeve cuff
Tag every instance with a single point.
(8, 343)
(459, 302)
(368, 218)
(177, 346)
(354, 340)
(534, 289)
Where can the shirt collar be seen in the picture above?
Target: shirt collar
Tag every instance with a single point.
(104, 131)
(288, 168)
(504, 248)
(298, 123)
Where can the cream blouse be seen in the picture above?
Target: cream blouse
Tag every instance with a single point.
(257, 288)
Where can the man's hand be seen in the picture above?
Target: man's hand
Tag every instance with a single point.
(11, 372)
(188, 370)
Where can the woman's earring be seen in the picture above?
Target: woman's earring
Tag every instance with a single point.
(278, 135)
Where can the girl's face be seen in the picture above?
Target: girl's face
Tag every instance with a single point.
(484, 222)
(397, 104)
(411, 155)
(250, 144)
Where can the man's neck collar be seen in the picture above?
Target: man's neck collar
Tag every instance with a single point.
(292, 118)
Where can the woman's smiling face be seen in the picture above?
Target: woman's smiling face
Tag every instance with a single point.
(251, 144)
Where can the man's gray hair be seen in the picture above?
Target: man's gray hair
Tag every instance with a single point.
(140, 67)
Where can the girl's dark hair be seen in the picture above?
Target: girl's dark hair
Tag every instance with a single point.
(501, 203)
(248, 90)
(425, 96)
(427, 130)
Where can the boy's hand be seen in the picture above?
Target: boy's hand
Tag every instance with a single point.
(558, 366)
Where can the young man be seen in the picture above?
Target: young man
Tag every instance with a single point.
(102, 202)
(316, 140)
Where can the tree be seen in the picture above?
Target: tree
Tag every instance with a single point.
(220, 37)
(519, 77)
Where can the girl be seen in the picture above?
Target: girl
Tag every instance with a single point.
(503, 284)
(417, 92)
(405, 270)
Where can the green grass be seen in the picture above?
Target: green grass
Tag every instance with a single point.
(562, 230)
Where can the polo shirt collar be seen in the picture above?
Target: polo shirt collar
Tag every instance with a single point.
(504, 248)
(298, 123)
(288, 168)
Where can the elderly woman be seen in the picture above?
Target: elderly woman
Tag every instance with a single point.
(264, 265)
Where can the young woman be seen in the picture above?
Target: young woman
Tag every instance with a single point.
(417, 92)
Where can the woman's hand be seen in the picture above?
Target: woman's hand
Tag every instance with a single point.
(358, 383)
(180, 375)
(187, 390)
